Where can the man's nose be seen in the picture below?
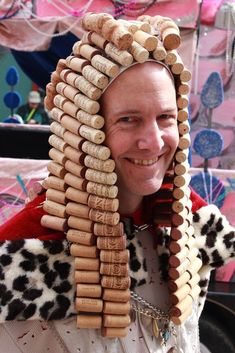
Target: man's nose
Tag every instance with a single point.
(150, 137)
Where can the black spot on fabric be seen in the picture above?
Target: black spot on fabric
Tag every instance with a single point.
(28, 255)
(28, 265)
(135, 265)
(3, 289)
(5, 260)
(29, 311)
(217, 260)
(44, 310)
(202, 294)
(62, 306)
(15, 308)
(42, 258)
(2, 274)
(50, 278)
(6, 297)
(204, 229)
(160, 236)
(2, 243)
(142, 282)
(196, 217)
(133, 283)
(145, 265)
(20, 283)
(203, 282)
(63, 287)
(211, 220)
(204, 257)
(15, 246)
(54, 247)
(44, 268)
(32, 294)
(132, 250)
(211, 239)
(62, 268)
(229, 239)
(163, 266)
(219, 225)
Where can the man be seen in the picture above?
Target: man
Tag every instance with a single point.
(33, 111)
(140, 108)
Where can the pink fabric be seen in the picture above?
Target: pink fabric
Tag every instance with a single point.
(209, 9)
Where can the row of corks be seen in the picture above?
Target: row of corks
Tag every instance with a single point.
(81, 191)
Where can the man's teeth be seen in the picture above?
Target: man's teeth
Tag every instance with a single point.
(144, 161)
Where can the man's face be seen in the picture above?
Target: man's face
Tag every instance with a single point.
(141, 129)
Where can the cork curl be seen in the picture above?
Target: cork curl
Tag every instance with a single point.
(81, 196)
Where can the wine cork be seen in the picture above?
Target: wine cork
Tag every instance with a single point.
(57, 129)
(69, 77)
(102, 190)
(87, 277)
(83, 102)
(143, 26)
(171, 38)
(61, 64)
(55, 78)
(54, 208)
(123, 57)
(116, 308)
(116, 295)
(185, 75)
(181, 180)
(70, 124)
(110, 218)
(77, 195)
(104, 65)
(160, 52)
(182, 115)
(148, 41)
(177, 67)
(181, 319)
(181, 307)
(57, 156)
(113, 332)
(180, 294)
(121, 38)
(110, 231)
(111, 243)
(98, 40)
(108, 28)
(88, 264)
(77, 210)
(89, 305)
(179, 282)
(94, 76)
(57, 114)
(74, 155)
(181, 168)
(179, 193)
(115, 282)
(194, 280)
(87, 88)
(91, 134)
(102, 203)
(112, 256)
(194, 267)
(70, 108)
(87, 51)
(183, 88)
(179, 205)
(73, 140)
(139, 53)
(181, 156)
(76, 64)
(176, 259)
(113, 269)
(88, 290)
(80, 224)
(190, 231)
(171, 57)
(184, 142)
(89, 321)
(95, 121)
(54, 182)
(100, 177)
(116, 320)
(56, 196)
(81, 237)
(67, 90)
(97, 164)
(176, 272)
(182, 102)
(83, 250)
(177, 232)
(57, 143)
(76, 182)
(177, 245)
(95, 22)
(75, 169)
(56, 169)
(53, 222)
(50, 94)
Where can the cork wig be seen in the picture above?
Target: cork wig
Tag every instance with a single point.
(81, 196)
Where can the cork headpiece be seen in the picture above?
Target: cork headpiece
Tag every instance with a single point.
(81, 196)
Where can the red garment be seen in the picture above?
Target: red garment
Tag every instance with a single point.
(26, 223)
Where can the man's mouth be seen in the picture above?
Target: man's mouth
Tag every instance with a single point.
(145, 162)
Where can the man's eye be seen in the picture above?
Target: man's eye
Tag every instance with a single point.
(126, 119)
(166, 116)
